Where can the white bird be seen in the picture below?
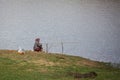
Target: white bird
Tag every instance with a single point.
(21, 51)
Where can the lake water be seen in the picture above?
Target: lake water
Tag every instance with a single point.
(87, 28)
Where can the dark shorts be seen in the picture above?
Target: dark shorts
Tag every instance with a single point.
(38, 49)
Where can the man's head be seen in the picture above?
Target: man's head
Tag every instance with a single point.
(37, 39)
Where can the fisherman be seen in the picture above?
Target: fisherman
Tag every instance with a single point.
(37, 46)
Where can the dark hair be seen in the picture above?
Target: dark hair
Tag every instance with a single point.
(37, 39)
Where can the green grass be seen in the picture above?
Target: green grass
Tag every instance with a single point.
(43, 66)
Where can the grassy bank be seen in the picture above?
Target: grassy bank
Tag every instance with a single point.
(43, 66)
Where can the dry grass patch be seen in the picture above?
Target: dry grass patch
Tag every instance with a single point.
(44, 62)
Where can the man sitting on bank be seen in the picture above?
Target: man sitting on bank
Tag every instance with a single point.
(37, 46)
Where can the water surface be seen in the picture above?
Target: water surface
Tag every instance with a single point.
(93, 24)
